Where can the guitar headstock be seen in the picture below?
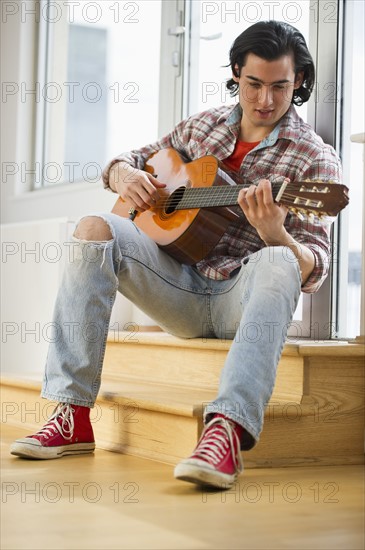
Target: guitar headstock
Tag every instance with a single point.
(313, 198)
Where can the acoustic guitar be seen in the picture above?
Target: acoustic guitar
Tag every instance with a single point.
(193, 211)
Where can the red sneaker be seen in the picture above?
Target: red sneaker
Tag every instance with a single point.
(67, 432)
(217, 459)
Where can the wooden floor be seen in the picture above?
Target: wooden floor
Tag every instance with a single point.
(108, 500)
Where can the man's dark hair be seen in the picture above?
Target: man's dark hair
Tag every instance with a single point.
(271, 40)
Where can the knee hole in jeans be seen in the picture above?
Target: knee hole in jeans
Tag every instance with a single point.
(93, 228)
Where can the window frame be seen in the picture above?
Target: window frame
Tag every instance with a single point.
(325, 44)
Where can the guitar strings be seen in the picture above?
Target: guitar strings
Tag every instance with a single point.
(215, 202)
(191, 201)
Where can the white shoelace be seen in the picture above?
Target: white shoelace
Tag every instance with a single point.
(213, 446)
(62, 421)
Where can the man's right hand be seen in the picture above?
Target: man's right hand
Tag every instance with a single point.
(137, 188)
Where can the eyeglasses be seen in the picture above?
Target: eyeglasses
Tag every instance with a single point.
(252, 91)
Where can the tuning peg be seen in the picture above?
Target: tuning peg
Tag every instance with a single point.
(298, 213)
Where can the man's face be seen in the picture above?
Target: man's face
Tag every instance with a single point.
(266, 89)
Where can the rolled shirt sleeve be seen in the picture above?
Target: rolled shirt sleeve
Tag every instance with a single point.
(315, 233)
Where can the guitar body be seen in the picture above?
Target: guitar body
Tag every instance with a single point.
(187, 235)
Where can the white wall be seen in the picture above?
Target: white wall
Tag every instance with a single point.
(31, 268)
(32, 262)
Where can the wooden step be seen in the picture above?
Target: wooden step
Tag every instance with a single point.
(322, 421)
(162, 358)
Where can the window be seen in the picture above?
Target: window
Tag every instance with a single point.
(115, 75)
(99, 72)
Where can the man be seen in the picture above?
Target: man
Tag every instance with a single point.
(252, 278)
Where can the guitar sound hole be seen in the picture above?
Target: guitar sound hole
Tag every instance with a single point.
(174, 200)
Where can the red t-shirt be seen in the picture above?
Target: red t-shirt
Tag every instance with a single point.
(240, 151)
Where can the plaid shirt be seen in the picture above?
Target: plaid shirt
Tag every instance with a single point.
(292, 150)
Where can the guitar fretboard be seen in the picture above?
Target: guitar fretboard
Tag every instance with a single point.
(209, 197)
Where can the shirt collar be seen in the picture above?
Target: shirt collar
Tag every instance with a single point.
(231, 117)
(290, 125)
(287, 128)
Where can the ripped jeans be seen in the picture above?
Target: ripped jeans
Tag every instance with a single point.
(253, 308)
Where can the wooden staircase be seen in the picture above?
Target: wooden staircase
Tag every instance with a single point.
(155, 387)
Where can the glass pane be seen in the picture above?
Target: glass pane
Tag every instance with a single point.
(86, 116)
(109, 85)
(215, 26)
